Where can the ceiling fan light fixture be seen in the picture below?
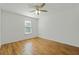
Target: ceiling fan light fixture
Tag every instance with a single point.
(38, 12)
(39, 9)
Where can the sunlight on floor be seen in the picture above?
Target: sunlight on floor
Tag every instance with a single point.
(28, 48)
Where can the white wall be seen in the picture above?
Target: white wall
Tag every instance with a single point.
(61, 23)
(13, 27)
(0, 26)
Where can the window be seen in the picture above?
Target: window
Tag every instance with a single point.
(28, 27)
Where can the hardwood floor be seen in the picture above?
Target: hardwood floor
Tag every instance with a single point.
(38, 46)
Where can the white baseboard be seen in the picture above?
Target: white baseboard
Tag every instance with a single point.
(76, 45)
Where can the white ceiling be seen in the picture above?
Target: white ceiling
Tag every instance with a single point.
(21, 8)
(25, 8)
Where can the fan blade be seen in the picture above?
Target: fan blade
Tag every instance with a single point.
(44, 10)
(42, 5)
(32, 11)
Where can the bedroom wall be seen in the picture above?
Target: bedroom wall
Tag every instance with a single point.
(13, 27)
(0, 26)
(60, 23)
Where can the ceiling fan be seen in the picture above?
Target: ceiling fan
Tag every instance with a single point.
(38, 8)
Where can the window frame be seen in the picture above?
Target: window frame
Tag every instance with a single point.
(26, 26)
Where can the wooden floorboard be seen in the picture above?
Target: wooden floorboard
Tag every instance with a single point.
(38, 46)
